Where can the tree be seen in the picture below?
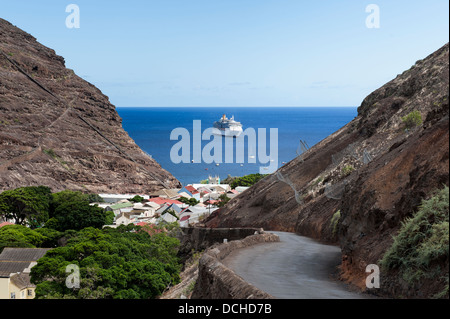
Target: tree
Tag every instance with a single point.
(18, 236)
(24, 237)
(94, 198)
(50, 237)
(109, 217)
(76, 215)
(223, 199)
(71, 210)
(114, 263)
(67, 196)
(191, 201)
(26, 205)
(137, 199)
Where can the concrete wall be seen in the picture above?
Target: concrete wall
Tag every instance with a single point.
(216, 281)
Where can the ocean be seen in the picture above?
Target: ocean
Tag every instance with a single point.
(151, 127)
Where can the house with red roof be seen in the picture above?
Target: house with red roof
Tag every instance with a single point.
(191, 191)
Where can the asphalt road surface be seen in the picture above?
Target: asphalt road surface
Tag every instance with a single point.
(294, 268)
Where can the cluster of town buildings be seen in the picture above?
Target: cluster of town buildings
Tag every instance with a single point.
(164, 206)
(167, 205)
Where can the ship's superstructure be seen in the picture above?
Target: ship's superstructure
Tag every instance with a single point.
(228, 127)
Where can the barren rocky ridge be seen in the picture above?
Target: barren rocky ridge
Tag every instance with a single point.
(355, 187)
(58, 130)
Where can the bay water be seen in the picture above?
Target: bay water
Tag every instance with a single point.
(151, 127)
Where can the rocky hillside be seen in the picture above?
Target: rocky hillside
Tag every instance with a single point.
(355, 187)
(60, 131)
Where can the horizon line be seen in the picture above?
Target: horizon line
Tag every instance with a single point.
(252, 106)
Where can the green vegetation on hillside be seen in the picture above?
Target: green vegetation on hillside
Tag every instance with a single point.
(137, 199)
(19, 236)
(191, 201)
(421, 247)
(26, 205)
(122, 263)
(247, 180)
(223, 199)
(130, 262)
(347, 170)
(334, 221)
(412, 120)
(37, 207)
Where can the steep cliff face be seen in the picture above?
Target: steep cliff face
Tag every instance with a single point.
(60, 131)
(415, 164)
(356, 186)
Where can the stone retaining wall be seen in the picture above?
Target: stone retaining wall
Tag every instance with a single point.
(198, 238)
(216, 281)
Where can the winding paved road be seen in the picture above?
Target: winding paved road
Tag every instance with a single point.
(294, 268)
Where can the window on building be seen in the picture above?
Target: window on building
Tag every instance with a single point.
(13, 295)
(30, 292)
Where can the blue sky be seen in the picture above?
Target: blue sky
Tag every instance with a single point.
(236, 52)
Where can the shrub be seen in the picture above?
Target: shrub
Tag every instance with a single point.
(50, 152)
(412, 120)
(24, 237)
(347, 170)
(334, 221)
(247, 180)
(223, 199)
(137, 199)
(422, 242)
(191, 201)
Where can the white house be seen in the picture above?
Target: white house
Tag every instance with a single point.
(194, 214)
(166, 193)
(144, 210)
(117, 208)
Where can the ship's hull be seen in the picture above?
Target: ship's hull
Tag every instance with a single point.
(228, 132)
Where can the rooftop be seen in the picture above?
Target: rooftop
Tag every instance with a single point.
(5, 224)
(160, 201)
(121, 205)
(16, 260)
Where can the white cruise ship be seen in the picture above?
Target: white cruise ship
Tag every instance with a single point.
(228, 127)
